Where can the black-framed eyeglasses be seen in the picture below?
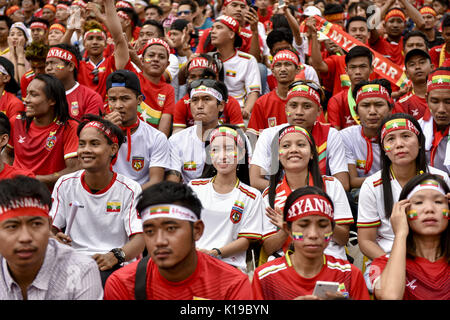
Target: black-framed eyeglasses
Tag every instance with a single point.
(95, 73)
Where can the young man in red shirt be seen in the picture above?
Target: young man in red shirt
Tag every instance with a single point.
(36, 53)
(9, 103)
(63, 63)
(174, 269)
(440, 55)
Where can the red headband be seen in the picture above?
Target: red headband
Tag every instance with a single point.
(123, 15)
(62, 6)
(23, 207)
(39, 25)
(372, 91)
(334, 17)
(11, 10)
(311, 204)
(157, 41)
(227, 2)
(50, 6)
(285, 55)
(227, 132)
(100, 126)
(123, 4)
(201, 63)
(80, 3)
(428, 10)
(398, 124)
(58, 26)
(303, 90)
(63, 55)
(229, 22)
(395, 13)
(438, 80)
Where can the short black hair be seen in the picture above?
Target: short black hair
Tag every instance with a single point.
(168, 192)
(415, 33)
(154, 6)
(21, 187)
(179, 24)
(157, 24)
(190, 3)
(332, 8)
(446, 21)
(279, 21)
(279, 35)
(358, 51)
(7, 19)
(355, 18)
(5, 125)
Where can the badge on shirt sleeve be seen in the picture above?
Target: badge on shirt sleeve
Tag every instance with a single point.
(74, 108)
(137, 163)
(51, 141)
(272, 121)
(161, 99)
(236, 212)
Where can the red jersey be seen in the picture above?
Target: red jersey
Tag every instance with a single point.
(278, 280)
(159, 99)
(268, 111)
(336, 74)
(425, 280)
(212, 280)
(231, 114)
(436, 59)
(43, 150)
(25, 81)
(391, 50)
(10, 105)
(411, 104)
(9, 172)
(338, 110)
(264, 19)
(83, 100)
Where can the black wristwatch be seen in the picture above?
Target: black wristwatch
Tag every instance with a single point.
(119, 254)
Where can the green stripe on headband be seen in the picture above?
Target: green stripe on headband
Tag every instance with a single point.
(160, 210)
(300, 87)
(228, 130)
(370, 88)
(440, 79)
(395, 123)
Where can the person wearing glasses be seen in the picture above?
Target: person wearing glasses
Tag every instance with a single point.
(63, 61)
(302, 109)
(204, 66)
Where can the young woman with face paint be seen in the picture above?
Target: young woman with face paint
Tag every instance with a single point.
(308, 217)
(232, 209)
(422, 242)
(298, 167)
(402, 158)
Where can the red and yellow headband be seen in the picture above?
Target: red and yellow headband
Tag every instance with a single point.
(438, 80)
(62, 54)
(24, 207)
(428, 10)
(11, 10)
(308, 205)
(395, 13)
(285, 55)
(201, 63)
(57, 26)
(37, 24)
(62, 6)
(334, 17)
(293, 129)
(398, 124)
(372, 91)
(50, 7)
(101, 127)
(227, 132)
(94, 32)
(303, 90)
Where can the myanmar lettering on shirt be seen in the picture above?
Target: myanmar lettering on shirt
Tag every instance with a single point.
(25, 81)
(211, 280)
(231, 114)
(228, 217)
(435, 55)
(425, 280)
(268, 111)
(411, 104)
(43, 150)
(278, 280)
(83, 100)
(339, 111)
(149, 149)
(113, 209)
(10, 105)
(159, 100)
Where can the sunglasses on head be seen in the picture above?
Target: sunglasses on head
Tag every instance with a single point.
(207, 82)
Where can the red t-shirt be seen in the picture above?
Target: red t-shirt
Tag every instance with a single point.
(83, 100)
(231, 114)
(25, 81)
(43, 150)
(411, 104)
(425, 280)
(268, 111)
(435, 54)
(336, 74)
(264, 19)
(212, 280)
(339, 112)
(159, 99)
(9, 172)
(278, 280)
(10, 105)
(391, 50)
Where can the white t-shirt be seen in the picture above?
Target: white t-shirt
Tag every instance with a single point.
(180, 91)
(371, 206)
(342, 213)
(262, 156)
(228, 217)
(149, 148)
(104, 220)
(356, 150)
(241, 76)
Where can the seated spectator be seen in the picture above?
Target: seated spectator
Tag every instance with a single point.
(9, 103)
(420, 223)
(174, 269)
(56, 33)
(295, 275)
(440, 54)
(18, 39)
(36, 54)
(48, 271)
(39, 30)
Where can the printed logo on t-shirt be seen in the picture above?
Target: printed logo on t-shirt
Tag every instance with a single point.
(411, 285)
(51, 141)
(21, 139)
(74, 108)
(272, 121)
(361, 164)
(113, 206)
(343, 290)
(230, 73)
(190, 166)
(137, 163)
(161, 99)
(236, 212)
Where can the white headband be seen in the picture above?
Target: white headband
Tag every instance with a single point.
(426, 185)
(3, 70)
(208, 90)
(168, 211)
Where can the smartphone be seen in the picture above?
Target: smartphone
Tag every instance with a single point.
(254, 8)
(281, 4)
(323, 286)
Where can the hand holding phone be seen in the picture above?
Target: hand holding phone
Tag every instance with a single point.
(281, 4)
(322, 287)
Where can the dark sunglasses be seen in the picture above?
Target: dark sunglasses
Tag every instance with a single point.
(185, 12)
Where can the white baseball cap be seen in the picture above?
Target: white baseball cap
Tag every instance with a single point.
(312, 11)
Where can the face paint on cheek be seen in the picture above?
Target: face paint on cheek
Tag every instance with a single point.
(328, 236)
(147, 60)
(60, 67)
(288, 114)
(445, 212)
(412, 215)
(281, 152)
(387, 149)
(297, 236)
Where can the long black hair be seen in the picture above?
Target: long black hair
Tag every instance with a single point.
(243, 166)
(54, 90)
(313, 168)
(421, 161)
(445, 236)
